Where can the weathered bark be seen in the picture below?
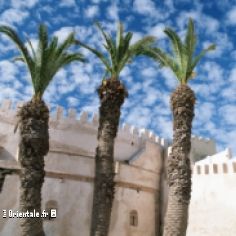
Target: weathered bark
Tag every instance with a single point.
(112, 94)
(179, 169)
(34, 145)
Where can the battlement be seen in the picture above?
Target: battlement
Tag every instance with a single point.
(200, 139)
(71, 119)
(215, 168)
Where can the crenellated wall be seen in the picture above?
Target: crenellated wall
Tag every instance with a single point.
(69, 168)
(140, 176)
(213, 206)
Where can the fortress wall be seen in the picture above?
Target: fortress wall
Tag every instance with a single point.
(69, 182)
(74, 199)
(201, 147)
(213, 205)
(77, 132)
(127, 200)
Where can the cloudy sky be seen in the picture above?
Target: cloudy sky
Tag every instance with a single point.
(149, 86)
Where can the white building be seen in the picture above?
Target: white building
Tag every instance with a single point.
(141, 190)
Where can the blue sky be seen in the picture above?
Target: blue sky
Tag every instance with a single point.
(149, 86)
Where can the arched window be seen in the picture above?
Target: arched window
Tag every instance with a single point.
(134, 218)
(51, 205)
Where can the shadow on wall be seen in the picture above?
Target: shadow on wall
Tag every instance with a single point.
(5, 155)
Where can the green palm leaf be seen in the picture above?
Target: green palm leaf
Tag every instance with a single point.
(47, 60)
(8, 31)
(120, 52)
(201, 55)
(182, 63)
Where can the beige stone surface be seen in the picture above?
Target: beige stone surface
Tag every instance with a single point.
(140, 180)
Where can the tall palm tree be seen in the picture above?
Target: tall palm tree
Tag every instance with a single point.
(42, 63)
(112, 94)
(182, 62)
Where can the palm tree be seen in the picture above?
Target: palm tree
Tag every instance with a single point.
(182, 63)
(42, 63)
(112, 94)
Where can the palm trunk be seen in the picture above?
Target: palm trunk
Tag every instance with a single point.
(112, 94)
(179, 169)
(34, 145)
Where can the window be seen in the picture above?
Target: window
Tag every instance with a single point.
(206, 169)
(234, 167)
(215, 168)
(134, 218)
(225, 168)
(51, 205)
(198, 170)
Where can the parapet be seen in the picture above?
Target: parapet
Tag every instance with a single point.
(215, 168)
(70, 119)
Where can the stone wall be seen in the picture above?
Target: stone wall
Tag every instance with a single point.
(70, 172)
(213, 205)
(141, 185)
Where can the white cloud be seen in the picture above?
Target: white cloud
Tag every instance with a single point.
(169, 78)
(8, 71)
(113, 12)
(92, 11)
(13, 16)
(157, 31)
(227, 113)
(63, 33)
(149, 72)
(223, 45)
(151, 97)
(231, 16)
(204, 112)
(210, 25)
(232, 76)
(72, 101)
(67, 3)
(144, 119)
(164, 125)
(23, 3)
(144, 6)
(136, 36)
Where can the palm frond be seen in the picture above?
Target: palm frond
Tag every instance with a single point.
(177, 45)
(120, 51)
(140, 44)
(190, 39)
(18, 58)
(119, 35)
(201, 55)
(182, 62)
(119, 41)
(9, 32)
(31, 47)
(110, 44)
(95, 52)
(47, 60)
(70, 39)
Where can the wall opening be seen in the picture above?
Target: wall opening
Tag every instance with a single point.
(225, 168)
(215, 169)
(51, 207)
(133, 221)
(234, 167)
(198, 170)
(206, 167)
